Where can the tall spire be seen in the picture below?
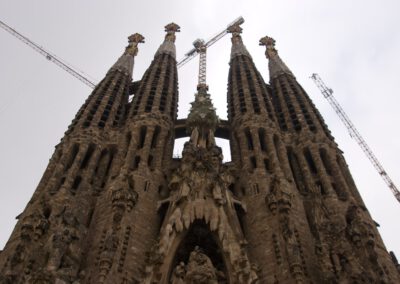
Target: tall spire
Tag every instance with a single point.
(276, 65)
(158, 89)
(168, 46)
(125, 62)
(238, 47)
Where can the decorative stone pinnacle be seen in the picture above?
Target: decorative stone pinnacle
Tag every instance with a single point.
(134, 40)
(171, 29)
(235, 30)
(276, 65)
(269, 43)
(238, 47)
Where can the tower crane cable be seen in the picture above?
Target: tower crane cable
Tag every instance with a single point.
(49, 56)
(328, 94)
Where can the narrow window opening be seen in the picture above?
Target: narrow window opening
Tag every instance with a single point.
(324, 157)
(261, 136)
(321, 188)
(87, 157)
(249, 139)
(150, 161)
(146, 186)
(109, 164)
(90, 217)
(253, 162)
(310, 161)
(136, 162)
(267, 165)
(74, 152)
(296, 171)
(256, 189)
(242, 192)
(76, 183)
(240, 213)
(154, 140)
(143, 130)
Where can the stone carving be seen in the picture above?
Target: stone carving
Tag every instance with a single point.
(359, 231)
(178, 276)
(199, 270)
(123, 196)
(107, 255)
(63, 247)
(279, 198)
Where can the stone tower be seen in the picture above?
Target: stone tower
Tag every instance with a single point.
(114, 206)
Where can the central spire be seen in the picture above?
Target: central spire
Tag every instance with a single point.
(168, 46)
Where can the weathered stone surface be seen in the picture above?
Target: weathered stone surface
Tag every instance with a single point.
(114, 206)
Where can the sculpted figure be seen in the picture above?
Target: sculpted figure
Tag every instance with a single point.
(179, 273)
(200, 269)
(63, 251)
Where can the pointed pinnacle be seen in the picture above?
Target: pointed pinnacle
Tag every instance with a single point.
(134, 40)
(137, 38)
(235, 29)
(171, 29)
(269, 43)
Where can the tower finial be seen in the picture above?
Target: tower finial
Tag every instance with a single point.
(134, 41)
(171, 29)
(126, 61)
(168, 46)
(238, 47)
(276, 65)
(269, 43)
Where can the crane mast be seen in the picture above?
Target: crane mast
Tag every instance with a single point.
(328, 94)
(48, 55)
(201, 49)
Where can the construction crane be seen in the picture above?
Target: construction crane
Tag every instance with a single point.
(328, 94)
(200, 47)
(49, 56)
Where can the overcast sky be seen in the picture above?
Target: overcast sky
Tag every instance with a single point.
(353, 45)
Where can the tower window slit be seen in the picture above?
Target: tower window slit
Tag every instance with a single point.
(76, 183)
(165, 89)
(150, 161)
(109, 164)
(310, 161)
(267, 165)
(88, 155)
(253, 162)
(256, 189)
(261, 136)
(240, 88)
(249, 139)
(128, 139)
(296, 171)
(137, 99)
(321, 188)
(146, 186)
(74, 153)
(324, 157)
(136, 162)
(278, 108)
(250, 82)
(142, 137)
(154, 140)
